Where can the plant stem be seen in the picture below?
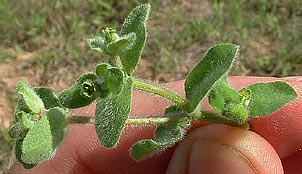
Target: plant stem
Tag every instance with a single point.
(117, 61)
(212, 117)
(163, 92)
(195, 116)
(132, 121)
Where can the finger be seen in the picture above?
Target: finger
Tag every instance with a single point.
(223, 149)
(292, 164)
(150, 106)
(283, 129)
(81, 152)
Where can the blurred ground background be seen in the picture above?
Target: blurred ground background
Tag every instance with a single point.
(43, 41)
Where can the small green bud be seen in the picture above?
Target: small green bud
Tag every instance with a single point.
(245, 96)
(81, 94)
(97, 43)
(238, 112)
(88, 89)
(75, 98)
(109, 34)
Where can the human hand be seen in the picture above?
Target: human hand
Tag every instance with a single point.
(272, 146)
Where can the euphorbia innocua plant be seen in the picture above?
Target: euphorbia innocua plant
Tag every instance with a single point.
(41, 114)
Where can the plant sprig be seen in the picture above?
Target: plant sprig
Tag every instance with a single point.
(41, 115)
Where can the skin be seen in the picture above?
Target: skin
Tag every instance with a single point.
(272, 145)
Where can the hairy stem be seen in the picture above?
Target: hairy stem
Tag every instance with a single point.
(163, 92)
(212, 117)
(132, 121)
(195, 116)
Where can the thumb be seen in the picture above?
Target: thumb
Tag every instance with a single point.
(223, 149)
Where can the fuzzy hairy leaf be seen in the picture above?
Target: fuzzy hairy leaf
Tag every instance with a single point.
(217, 62)
(266, 98)
(26, 120)
(122, 43)
(37, 145)
(49, 98)
(18, 153)
(56, 117)
(222, 95)
(82, 93)
(173, 111)
(44, 137)
(166, 135)
(97, 43)
(169, 133)
(113, 77)
(111, 115)
(135, 23)
(16, 130)
(31, 99)
(144, 148)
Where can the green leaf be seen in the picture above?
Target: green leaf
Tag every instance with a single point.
(16, 131)
(74, 98)
(115, 80)
(209, 70)
(18, 153)
(56, 117)
(82, 93)
(174, 111)
(114, 77)
(111, 115)
(37, 145)
(42, 139)
(121, 44)
(32, 100)
(136, 23)
(21, 108)
(171, 132)
(109, 35)
(86, 77)
(166, 135)
(26, 120)
(266, 98)
(144, 148)
(97, 43)
(102, 69)
(222, 95)
(49, 98)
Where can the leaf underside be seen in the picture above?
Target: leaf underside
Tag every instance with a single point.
(111, 115)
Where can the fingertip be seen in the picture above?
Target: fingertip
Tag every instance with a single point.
(223, 149)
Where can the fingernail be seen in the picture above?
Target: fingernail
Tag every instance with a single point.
(213, 157)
